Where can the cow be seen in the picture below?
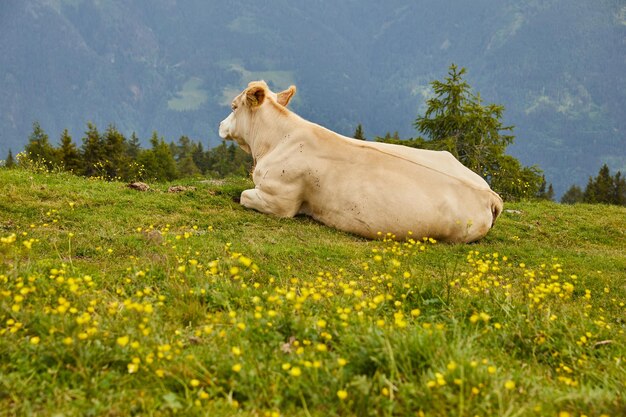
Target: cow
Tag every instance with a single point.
(370, 189)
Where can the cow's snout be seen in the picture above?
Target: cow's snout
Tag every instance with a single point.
(222, 130)
(226, 126)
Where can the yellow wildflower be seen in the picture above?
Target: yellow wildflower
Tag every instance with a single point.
(123, 341)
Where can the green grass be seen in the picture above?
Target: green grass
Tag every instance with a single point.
(117, 302)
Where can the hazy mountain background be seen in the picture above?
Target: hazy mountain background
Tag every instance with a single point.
(558, 66)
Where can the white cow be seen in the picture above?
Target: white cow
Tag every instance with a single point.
(353, 185)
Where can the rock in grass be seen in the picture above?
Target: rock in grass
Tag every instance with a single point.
(180, 188)
(139, 186)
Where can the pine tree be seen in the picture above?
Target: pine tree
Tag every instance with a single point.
(589, 195)
(604, 185)
(458, 122)
(133, 147)
(92, 152)
(69, 155)
(358, 133)
(10, 161)
(158, 161)
(573, 196)
(619, 187)
(224, 160)
(467, 129)
(39, 149)
(600, 189)
(542, 193)
(550, 193)
(200, 157)
(606, 189)
(216, 158)
(184, 158)
(115, 163)
(242, 162)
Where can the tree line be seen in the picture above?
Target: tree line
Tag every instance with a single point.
(601, 189)
(112, 156)
(456, 120)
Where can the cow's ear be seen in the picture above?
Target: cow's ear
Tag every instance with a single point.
(284, 97)
(255, 96)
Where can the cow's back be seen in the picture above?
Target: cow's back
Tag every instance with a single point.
(366, 188)
(442, 162)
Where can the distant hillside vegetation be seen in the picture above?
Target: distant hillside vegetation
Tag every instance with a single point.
(557, 66)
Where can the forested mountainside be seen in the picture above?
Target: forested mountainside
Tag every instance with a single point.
(558, 66)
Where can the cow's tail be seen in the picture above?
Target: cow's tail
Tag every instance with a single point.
(496, 206)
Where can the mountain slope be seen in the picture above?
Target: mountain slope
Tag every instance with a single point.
(557, 66)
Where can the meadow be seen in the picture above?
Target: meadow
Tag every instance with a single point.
(115, 302)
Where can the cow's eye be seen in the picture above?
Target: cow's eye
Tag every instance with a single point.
(233, 107)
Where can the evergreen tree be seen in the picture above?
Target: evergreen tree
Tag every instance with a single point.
(185, 164)
(242, 162)
(550, 193)
(358, 133)
(133, 147)
(200, 157)
(605, 189)
(92, 152)
(10, 161)
(542, 193)
(115, 161)
(589, 195)
(216, 160)
(69, 155)
(619, 189)
(604, 185)
(573, 196)
(598, 189)
(221, 160)
(147, 158)
(39, 149)
(224, 160)
(458, 122)
(456, 118)
(158, 161)
(134, 170)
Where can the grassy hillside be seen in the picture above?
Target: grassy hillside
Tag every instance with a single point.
(118, 302)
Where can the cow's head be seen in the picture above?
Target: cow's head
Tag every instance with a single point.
(245, 108)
